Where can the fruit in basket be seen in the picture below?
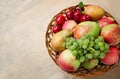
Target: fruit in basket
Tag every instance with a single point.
(69, 25)
(105, 21)
(111, 57)
(85, 17)
(58, 39)
(84, 43)
(111, 34)
(89, 27)
(67, 61)
(89, 64)
(69, 14)
(56, 29)
(94, 11)
(60, 19)
(76, 15)
(87, 47)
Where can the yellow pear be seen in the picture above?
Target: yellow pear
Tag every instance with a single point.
(58, 39)
(95, 12)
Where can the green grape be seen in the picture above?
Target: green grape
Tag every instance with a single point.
(80, 52)
(102, 48)
(71, 47)
(97, 53)
(80, 42)
(76, 63)
(77, 56)
(86, 41)
(102, 55)
(96, 41)
(107, 50)
(82, 59)
(84, 46)
(88, 49)
(75, 44)
(68, 44)
(100, 44)
(72, 39)
(75, 52)
(91, 44)
(96, 46)
(92, 50)
(86, 55)
(107, 46)
(89, 56)
(92, 38)
(100, 38)
(85, 51)
(83, 38)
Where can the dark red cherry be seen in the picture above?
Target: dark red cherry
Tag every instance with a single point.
(56, 29)
(69, 14)
(76, 15)
(85, 17)
(60, 19)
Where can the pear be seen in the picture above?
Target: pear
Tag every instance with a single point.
(95, 12)
(89, 27)
(90, 64)
(58, 39)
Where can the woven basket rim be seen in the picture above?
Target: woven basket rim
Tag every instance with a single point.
(54, 55)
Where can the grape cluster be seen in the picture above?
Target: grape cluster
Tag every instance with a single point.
(87, 47)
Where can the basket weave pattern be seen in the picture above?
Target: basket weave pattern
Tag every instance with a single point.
(100, 69)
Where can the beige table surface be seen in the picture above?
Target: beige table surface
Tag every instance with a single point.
(23, 23)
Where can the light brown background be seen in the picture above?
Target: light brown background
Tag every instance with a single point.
(23, 23)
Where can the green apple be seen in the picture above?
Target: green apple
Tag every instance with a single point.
(89, 27)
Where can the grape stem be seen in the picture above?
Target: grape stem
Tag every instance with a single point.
(92, 49)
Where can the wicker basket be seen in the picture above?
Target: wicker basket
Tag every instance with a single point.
(81, 72)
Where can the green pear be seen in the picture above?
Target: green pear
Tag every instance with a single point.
(90, 64)
(89, 27)
(58, 39)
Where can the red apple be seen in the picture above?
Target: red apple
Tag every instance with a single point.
(67, 61)
(111, 57)
(105, 21)
(69, 25)
(111, 34)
